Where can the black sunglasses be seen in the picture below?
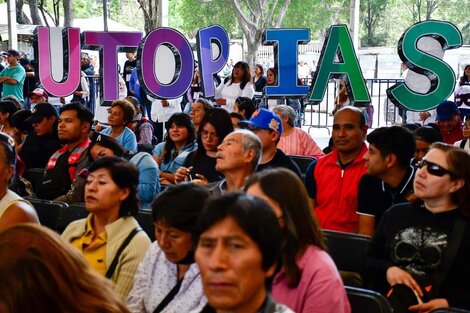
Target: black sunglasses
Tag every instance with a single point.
(434, 169)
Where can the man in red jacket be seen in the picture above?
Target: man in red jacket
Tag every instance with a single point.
(332, 182)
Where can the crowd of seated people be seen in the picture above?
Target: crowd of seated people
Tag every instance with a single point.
(256, 245)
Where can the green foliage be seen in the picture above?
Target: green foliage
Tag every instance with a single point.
(196, 14)
(84, 8)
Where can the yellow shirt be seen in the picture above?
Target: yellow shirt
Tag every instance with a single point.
(93, 247)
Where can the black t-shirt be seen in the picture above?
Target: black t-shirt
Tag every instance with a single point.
(37, 150)
(280, 159)
(204, 165)
(374, 196)
(415, 239)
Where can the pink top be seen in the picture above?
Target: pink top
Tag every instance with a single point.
(300, 143)
(320, 289)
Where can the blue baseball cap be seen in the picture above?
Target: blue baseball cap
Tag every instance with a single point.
(264, 119)
(446, 110)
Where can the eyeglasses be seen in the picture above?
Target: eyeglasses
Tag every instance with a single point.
(466, 125)
(434, 169)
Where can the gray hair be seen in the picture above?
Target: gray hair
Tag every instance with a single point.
(206, 103)
(251, 142)
(286, 111)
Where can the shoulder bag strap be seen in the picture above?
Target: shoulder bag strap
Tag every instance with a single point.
(170, 296)
(453, 244)
(114, 263)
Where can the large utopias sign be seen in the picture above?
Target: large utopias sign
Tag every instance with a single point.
(61, 76)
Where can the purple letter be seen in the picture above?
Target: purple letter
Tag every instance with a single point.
(66, 68)
(109, 43)
(180, 63)
(207, 38)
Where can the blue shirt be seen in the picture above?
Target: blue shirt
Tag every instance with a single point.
(178, 161)
(149, 184)
(127, 139)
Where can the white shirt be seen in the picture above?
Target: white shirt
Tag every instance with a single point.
(231, 92)
(155, 278)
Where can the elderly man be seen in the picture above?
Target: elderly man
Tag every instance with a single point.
(268, 127)
(448, 119)
(237, 158)
(237, 254)
(332, 182)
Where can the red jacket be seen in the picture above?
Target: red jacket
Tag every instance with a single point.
(336, 195)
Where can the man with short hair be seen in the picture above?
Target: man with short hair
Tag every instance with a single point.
(389, 178)
(13, 76)
(66, 166)
(89, 70)
(129, 65)
(39, 146)
(237, 158)
(332, 182)
(449, 122)
(237, 252)
(268, 127)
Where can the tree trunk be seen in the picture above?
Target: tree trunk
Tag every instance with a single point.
(21, 18)
(68, 13)
(33, 7)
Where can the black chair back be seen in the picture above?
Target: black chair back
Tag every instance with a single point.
(34, 176)
(367, 301)
(75, 211)
(347, 250)
(450, 310)
(49, 211)
(145, 220)
(303, 162)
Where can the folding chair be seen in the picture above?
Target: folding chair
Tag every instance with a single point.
(450, 310)
(49, 211)
(73, 212)
(145, 220)
(367, 301)
(303, 162)
(34, 176)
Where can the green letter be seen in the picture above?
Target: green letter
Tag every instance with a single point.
(439, 73)
(338, 44)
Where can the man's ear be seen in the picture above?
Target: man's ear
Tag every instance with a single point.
(391, 160)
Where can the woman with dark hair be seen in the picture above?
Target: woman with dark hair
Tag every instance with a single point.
(270, 104)
(200, 164)
(140, 124)
(169, 263)
(148, 185)
(13, 209)
(120, 114)
(425, 244)
(245, 107)
(179, 142)
(309, 280)
(49, 275)
(110, 238)
(462, 92)
(424, 137)
(7, 109)
(259, 79)
(239, 84)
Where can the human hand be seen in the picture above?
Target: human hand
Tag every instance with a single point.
(165, 103)
(182, 174)
(396, 275)
(200, 180)
(429, 306)
(424, 115)
(221, 101)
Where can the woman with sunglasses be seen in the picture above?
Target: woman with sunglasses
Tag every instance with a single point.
(239, 84)
(425, 245)
(13, 209)
(308, 281)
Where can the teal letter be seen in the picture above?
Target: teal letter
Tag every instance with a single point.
(338, 45)
(439, 73)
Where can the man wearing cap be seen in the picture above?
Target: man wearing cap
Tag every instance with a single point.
(332, 182)
(37, 96)
(43, 142)
(268, 127)
(448, 119)
(13, 76)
